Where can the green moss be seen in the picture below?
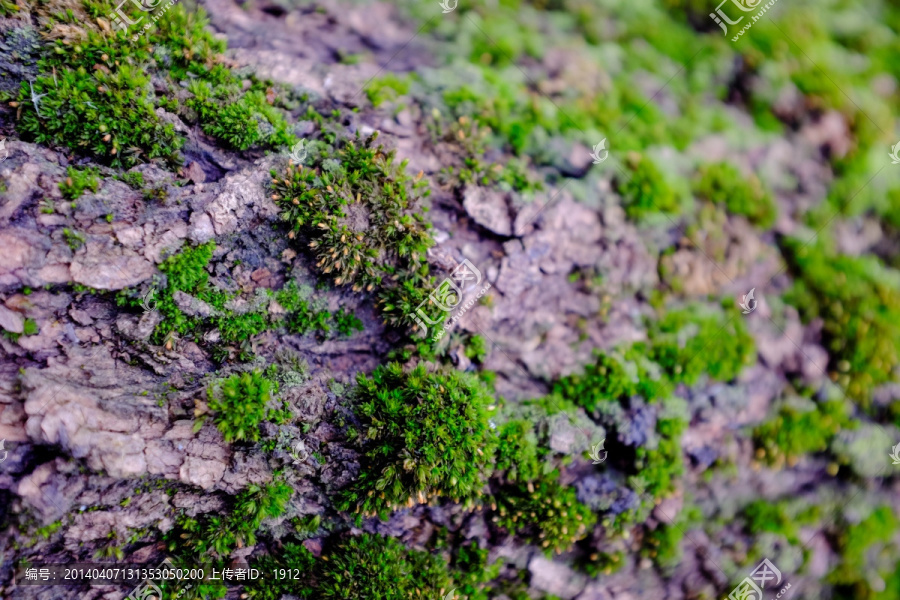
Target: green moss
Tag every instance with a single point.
(471, 572)
(426, 435)
(796, 431)
(659, 468)
(684, 345)
(30, 327)
(645, 190)
(77, 181)
(74, 239)
(357, 211)
(379, 568)
(102, 81)
(863, 547)
(615, 376)
(298, 565)
(185, 272)
(240, 119)
(386, 88)
(135, 179)
(476, 348)
(517, 452)
(663, 546)
(239, 404)
(48, 530)
(543, 512)
(722, 183)
(362, 177)
(220, 534)
(365, 567)
(858, 300)
(765, 516)
(696, 340)
(347, 323)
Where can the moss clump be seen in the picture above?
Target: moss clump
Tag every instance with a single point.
(765, 516)
(74, 239)
(697, 340)
(425, 435)
(645, 190)
(356, 210)
(186, 272)
(517, 452)
(663, 546)
(722, 183)
(386, 88)
(95, 96)
(102, 76)
(659, 468)
(376, 567)
(798, 430)
(239, 404)
(476, 348)
(134, 179)
(365, 567)
(77, 181)
(685, 344)
(198, 538)
(543, 512)
(866, 553)
(615, 376)
(240, 119)
(858, 300)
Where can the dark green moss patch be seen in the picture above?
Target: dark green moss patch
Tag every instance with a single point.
(219, 535)
(239, 404)
(858, 300)
(645, 189)
(543, 512)
(425, 435)
(698, 340)
(796, 431)
(77, 181)
(187, 272)
(722, 183)
(93, 92)
(357, 211)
